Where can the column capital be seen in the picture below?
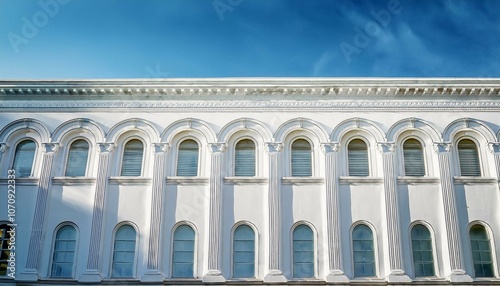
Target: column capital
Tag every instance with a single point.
(493, 147)
(216, 148)
(160, 148)
(3, 147)
(330, 147)
(442, 147)
(106, 147)
(50, 147)
(386, 147)
(274, 147)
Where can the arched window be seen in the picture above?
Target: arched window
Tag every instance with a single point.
(481, 251)
(421, 244)
(244, 252)
(363, 251)
(187, 161)
(132, 158)
(124, 252)
(468, 158)
(413, 158)
(4, 249)
(303, 252)
(244, 158)
(183, 252)
(23, 158)
(357, 155)
(301, 158)
(78, 154)
(64, 252)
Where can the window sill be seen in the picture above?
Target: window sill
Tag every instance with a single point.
(360, 180)
(65, 181)
(20, 181)
(428, 278)
(485, 279)
(409, 180)
(129, 180)
(369, 279)
(301, 180)
(187, 180)
(245, 180)
(474, 180)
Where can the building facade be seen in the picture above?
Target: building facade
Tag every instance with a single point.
(250, 181)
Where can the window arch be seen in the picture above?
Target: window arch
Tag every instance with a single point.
(244, 158)
(76, 165)
(468, 158)
(187, 159)
(132, 158)
(421, 244)
(357, 157)
(482, 257)
(301, 158)
(413, 158)
(303, 252)
(363, 251)
(63, 257)
(244, 252)
(4, 249)
(23, 158)
(183, 252)
(124, 252)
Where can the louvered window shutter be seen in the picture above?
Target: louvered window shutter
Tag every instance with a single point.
(187, 161)
(357, 154)
(132, 158)
(23, 158)
(77, 159)
(413, 158)
(469, 158)
(301, 158)
(244, 158)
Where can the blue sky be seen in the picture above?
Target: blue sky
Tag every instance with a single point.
(52, 39)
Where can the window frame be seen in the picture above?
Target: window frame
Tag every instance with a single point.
(311, 144)
(35, 155)
(434, 250)
(493, 254)
(315, 251)
(424, 159)
(468, 136)
(195, 252)
(369, 164)
(6, 223)
(75, 258)
(256, 155)
(256, 250)
(124, 143)
(111, 260)
(375, 250)
(66, 156)
(198, 167)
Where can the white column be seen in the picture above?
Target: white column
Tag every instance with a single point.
(494, 148)
(153, 273)
(274, 200)
(450, 214)
(397, 273)
(336, 273)
(92, 272)
(214, 224)
(31, 272)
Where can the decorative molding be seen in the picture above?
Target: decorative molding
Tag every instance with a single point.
(129, 180)
(68, 181)
(386, 147)
(440, 147)
(408, 180)
(302, 180)
(50, 148)
(106, 147)
(274, 147)
(187, 180)
(21, 181)
(216, 148)
(160, 148)
(360, 180)
(3, 147)
(245, 180)
(493, 147)
(474, 180)
(330, 147)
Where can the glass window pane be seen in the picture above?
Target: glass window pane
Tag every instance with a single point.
(187, 160)
(243, 252)
(363, 251)
(469, 158)
(76, 165)
(303, 252)
(124, 252)
(132, 158)
(23, 158)
(357, 154)
(64, 252)
(183, 252)
(301, 158)
(413, 158)
(244, 159)
(481, 251)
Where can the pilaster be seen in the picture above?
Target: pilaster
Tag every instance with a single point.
(3, 147)
(336, 273)
(397, 273)
(450, 214)
(31, 272)
(153, 272)
(92, 273)
(274, 199)
(214, 274)
(494, 148)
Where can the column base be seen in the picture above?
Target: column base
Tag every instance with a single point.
(275, 276)
(29, 275)
(90, 276)
(213, 276)
(152, 276)
(398, 278)
(337, 276)
(459, 276)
